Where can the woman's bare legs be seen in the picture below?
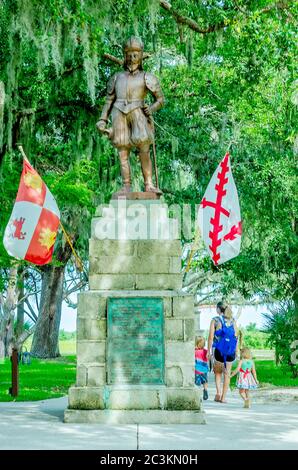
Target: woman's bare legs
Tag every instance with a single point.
(218, 383)
(217, 369)
(227, 373)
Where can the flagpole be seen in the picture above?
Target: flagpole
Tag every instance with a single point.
(151, 121)
(78, 260)
(193, 250)
(20, 147)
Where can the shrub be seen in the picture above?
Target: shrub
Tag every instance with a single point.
(255, 339)
(282, 329)
(67, 335)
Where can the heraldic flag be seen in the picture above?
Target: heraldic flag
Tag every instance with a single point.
(32, 228)
(219, 215)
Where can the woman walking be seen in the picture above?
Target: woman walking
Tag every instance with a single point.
(222, 346)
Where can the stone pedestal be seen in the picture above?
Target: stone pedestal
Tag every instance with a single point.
(135, 253)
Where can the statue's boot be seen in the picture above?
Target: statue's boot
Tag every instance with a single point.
(150, 188)
(125, 172)
(147, 171)
(126, 188)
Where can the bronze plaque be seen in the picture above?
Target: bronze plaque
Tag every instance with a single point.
(135, 340)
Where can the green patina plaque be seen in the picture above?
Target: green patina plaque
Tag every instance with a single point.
(135, 341)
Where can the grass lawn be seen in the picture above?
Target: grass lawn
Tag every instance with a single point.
(66, 347)
(269, 374)
(40, 380)
(52, 378)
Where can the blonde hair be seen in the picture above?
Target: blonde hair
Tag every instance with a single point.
(245, 353)
(228, 314)
(200, 342)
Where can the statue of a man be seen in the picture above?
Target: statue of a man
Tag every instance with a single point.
(132, 124)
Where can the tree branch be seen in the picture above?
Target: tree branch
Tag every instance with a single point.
(184, 20)
(180, 19)
(76, 287)
(29, 316)
(26, 296)
(23, 336)
(112, 58)
(210, 296)
(35, 292)
(31, 310)
(283, 5)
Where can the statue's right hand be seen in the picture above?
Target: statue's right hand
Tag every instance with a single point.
(147, 110)
(101, 125)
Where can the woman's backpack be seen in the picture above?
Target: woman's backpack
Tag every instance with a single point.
(227, 340)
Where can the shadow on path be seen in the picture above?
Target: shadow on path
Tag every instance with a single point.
(38, 425)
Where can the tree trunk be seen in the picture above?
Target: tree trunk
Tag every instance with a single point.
(7, 314)
(45, 342)
(9, 337)
(277, 359)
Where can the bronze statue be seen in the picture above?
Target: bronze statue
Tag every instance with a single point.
(132, 124)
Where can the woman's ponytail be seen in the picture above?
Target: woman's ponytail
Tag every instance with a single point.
(228, 314)
(225, 310)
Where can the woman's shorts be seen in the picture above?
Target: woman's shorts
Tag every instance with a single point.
(218, 357)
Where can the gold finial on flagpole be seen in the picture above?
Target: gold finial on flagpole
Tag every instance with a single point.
(20, 147)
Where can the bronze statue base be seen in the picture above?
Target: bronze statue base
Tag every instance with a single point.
(136, 195)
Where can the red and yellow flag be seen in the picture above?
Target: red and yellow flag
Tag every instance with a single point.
(33, 225)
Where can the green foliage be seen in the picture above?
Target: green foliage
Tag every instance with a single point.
(255, 339)
(67, 335)
(251, 327)
(269, 374)
(282, 329)
(26, 326)
(231, 85)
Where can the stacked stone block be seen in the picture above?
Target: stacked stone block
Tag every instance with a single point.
(135, 268)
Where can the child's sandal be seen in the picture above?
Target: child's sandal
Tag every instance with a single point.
(217, 398)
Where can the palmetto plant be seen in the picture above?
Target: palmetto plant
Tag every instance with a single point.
(281, 326)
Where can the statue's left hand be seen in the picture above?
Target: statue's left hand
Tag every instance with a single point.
(101, 125)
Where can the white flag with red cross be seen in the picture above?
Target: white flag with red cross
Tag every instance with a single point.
(33, 225)
(219, 215)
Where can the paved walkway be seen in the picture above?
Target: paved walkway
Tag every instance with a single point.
(39, 425)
